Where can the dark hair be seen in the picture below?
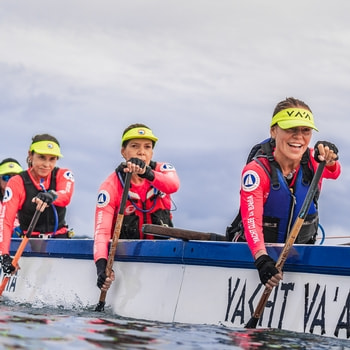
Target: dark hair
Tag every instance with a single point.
(41, 137)
(290, 102)
(7, 160)
(44, 137)
(132, 126)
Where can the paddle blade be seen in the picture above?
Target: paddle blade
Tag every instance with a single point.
(252, 323)
(100, 306)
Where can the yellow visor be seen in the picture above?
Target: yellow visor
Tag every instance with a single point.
(139, 133)
(46, 147)
(294, 117)
(10, 168)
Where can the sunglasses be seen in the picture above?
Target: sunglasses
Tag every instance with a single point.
(6, 177)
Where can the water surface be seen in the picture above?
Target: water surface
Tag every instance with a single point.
(39, 328)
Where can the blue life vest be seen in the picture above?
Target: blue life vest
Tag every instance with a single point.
(282, 207)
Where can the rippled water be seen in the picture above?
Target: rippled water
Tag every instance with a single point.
(26, 327)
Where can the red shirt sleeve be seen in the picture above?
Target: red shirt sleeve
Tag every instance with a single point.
(13, 200)
(255, 187)
(64, 187)
(108, 201)
(166, 179)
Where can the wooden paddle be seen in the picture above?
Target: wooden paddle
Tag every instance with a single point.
(23, 244)
(252, 323)
(113, 247)
(173, 232)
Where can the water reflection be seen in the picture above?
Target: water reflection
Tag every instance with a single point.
(25, 327)
(116, 334)
(252, 339)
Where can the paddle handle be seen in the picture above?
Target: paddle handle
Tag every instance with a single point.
(111, 254)
(22, 246)
(116, 235)
(301, 216)
(159, 230)
(289, 243)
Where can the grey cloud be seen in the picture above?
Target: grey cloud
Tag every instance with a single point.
(204, 75)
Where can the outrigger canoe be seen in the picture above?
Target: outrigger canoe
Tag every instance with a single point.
(201, 279)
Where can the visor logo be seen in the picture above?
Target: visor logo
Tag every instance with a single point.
(299, 115)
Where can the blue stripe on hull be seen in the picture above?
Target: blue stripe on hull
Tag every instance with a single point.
(333, 260)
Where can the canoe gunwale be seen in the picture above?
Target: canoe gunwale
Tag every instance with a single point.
(303, 258)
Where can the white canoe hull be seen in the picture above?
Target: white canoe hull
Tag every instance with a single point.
(192, 282)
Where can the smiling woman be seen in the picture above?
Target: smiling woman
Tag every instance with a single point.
(42, 183)
(275, 182)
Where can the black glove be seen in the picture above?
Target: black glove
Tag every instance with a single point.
(331, 146)
(6, 262)
(137, 161)
(149, 174)
(266, 267)
(47, 197)
(101, 272)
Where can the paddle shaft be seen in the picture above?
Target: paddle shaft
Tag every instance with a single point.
(173, 232)
(22, 245)
(116, 234)
(289, 243)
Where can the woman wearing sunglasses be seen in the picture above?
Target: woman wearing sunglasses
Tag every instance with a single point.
(8, 167)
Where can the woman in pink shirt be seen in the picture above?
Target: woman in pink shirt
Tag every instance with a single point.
(274, 184)
(43, 182)
(8, 167)
(149, 198)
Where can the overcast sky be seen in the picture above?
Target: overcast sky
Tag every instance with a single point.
(204, 75)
